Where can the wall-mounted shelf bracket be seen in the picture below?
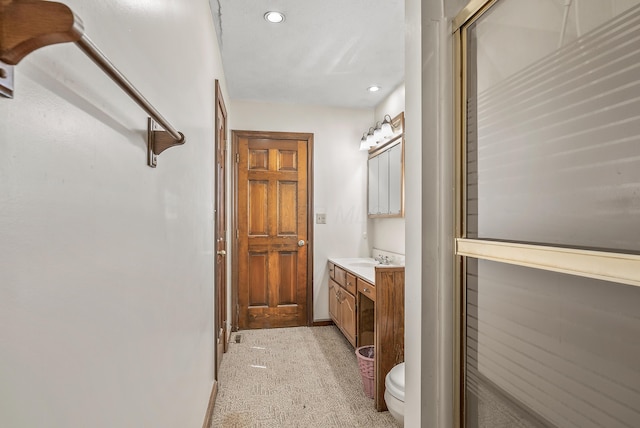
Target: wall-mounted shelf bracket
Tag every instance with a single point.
(27, 25)
(6, 80)
(158, 140)
(19, 36)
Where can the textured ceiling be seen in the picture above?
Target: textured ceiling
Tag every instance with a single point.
(327, 52)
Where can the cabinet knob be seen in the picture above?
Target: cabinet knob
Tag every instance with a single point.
(366, 290)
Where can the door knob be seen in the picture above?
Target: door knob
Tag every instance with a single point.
(221, 253)
(300, 243)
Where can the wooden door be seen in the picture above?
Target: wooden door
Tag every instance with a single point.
(273, 204)
(220, 229)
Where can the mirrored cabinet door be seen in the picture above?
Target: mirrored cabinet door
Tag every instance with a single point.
(373, 186)
(383, 182)
(386, 179)
(395, 179)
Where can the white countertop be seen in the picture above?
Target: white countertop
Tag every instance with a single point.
(360, 266)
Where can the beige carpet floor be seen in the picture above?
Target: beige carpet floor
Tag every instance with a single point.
(293, 377)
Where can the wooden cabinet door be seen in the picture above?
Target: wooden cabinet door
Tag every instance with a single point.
(334, 301)
(348, 316)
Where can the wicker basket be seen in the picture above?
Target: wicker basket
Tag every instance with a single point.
(365, 356)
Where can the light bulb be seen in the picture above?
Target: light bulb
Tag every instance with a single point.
(377, 133)
(371, 141)
(387, 127)
(363, 142)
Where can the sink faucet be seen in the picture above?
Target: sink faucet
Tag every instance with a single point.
(383, 260)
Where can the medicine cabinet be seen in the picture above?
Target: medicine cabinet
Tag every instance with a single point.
(386, 175)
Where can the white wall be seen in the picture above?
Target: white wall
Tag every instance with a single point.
(106, 266)
(339, 181)
(388, 233)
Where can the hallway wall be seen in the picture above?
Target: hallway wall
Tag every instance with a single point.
(106, 271)
(340, 177)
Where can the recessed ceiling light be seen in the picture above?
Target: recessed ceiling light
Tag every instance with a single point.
(274, 17)
(373, 88)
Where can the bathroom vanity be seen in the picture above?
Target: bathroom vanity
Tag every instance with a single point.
(342, 301)
(366, 302)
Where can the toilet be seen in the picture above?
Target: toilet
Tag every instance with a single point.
(394, 392)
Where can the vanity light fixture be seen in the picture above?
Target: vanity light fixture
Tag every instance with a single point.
(379, 134)
(373, 88)
(387, 127)
(274, 17)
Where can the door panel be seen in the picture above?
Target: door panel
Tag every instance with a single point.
(287, 208)
(287, 264)
(258, 199)
(272, 222)
(258, 274)
(258, 160)
(287, 160)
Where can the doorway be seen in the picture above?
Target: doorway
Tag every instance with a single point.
(221, 320)
(273, 269)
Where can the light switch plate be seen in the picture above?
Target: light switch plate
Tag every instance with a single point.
(321, 218)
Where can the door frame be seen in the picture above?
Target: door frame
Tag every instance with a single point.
(220, 305)
(298, 136)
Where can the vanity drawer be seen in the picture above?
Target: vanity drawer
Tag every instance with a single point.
(340, 276)
(332, 271)
(351, 283)
(367, 289)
